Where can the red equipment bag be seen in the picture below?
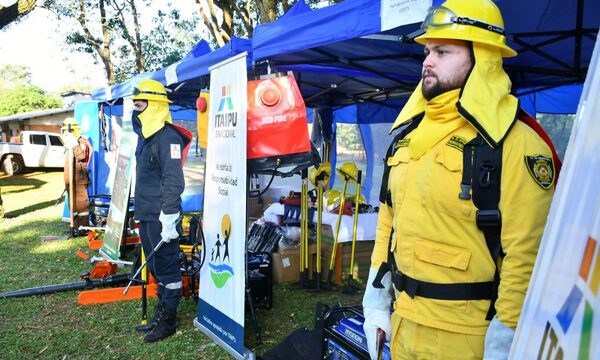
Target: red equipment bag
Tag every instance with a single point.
(277, 126)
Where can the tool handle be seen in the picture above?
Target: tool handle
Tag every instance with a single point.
(143, 265)
(380, 342)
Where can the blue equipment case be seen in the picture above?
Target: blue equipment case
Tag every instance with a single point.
(345, 339)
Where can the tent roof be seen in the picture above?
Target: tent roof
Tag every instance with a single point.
(555, 39)
(185, 78)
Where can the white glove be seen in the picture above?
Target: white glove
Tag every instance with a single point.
(376, 308)
(498, 340)
(169, 226)
(69, 140)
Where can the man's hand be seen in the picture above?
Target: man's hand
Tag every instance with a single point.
(498, 340)
(169, 226)
(376, 308)
(376, 319)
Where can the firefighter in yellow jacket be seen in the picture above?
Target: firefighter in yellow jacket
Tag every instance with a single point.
(444, 278)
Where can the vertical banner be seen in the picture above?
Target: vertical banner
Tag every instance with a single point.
(86, 114)
(119, 202)
(223, 276)
(561, 314)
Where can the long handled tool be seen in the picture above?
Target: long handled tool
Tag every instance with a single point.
(348, 171)
(144, 284)
(160, 243)
(320, 179)
(350, 289)
(71, 191)
(304, 230)
(319, 235)
(88, 283)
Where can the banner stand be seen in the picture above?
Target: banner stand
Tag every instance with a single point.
(224, 274)
(248, 354)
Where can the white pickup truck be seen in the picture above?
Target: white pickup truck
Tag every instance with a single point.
(36, 149)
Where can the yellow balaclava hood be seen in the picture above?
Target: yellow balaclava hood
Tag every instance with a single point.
(484, 101)
(154, 117)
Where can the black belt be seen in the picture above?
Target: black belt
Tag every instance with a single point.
(458, 291)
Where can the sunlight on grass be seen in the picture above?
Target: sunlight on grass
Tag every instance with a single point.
(15, 188)
(55, 246)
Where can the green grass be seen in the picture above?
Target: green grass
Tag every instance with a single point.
(55, 326)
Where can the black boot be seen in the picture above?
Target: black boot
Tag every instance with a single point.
(158, 312)
(164, 328)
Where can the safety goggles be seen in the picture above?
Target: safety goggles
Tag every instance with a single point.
(137, 91)
(442, 16)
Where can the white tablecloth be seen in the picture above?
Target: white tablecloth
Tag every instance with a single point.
(365, 228)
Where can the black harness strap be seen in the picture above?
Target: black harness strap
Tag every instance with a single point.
(455, 291)
(486, 197)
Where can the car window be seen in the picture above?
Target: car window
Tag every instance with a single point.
(38, 139)
(55, 140)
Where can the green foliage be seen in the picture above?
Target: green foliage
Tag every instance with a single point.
(162, 41)
(169, 41)
(348, 137)
(558, 127)
(12, 76)
(26, 98)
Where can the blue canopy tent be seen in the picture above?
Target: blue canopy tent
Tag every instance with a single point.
(184, 78)
(555, 40)
(184, 81)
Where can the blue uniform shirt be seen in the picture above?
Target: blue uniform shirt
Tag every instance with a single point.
(159, 175)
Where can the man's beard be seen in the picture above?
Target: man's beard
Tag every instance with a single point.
(439, 88)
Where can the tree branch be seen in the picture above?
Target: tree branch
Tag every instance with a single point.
(210, 22)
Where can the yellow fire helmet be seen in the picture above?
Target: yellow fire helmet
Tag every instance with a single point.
(322, 173)
(150, 90)
(71, 125)
(154, 117)
(333, 197)
(349, 170)
(475, 20)
(485, 100)
(363, 199)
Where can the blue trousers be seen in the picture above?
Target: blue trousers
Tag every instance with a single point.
(164, 265)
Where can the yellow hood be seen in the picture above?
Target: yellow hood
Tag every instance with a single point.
(154, 117)
(485, 100)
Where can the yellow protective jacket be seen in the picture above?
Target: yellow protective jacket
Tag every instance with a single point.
(436, 238)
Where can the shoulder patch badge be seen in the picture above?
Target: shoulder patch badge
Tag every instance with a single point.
(402, 143)
(457, 142)
(175, 151)
(541, 169)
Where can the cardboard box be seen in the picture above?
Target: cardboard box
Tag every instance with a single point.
(254, 208)
(286, 264)
(257, 206)
(362, 257)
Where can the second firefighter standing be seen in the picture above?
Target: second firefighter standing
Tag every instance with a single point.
(159, 185)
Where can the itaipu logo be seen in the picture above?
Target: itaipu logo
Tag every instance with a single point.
(226, 117)
(220, 268)
(583, 293)
(225, 99)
